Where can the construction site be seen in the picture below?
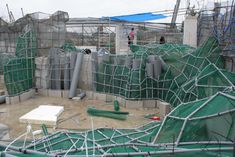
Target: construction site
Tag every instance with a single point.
(81, 87)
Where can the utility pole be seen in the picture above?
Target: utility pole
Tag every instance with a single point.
(174, 16)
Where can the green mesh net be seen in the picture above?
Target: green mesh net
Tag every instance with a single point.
(170, 72)
(19, 71)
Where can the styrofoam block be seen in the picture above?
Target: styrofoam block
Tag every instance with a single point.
(149, 103)
(133, 104)
(44, 114)
(55, 93)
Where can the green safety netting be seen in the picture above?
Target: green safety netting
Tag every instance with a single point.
(170, 72)
(210, 119)
(69, 47)
(4, 58)
(19, 71)
(199, 128)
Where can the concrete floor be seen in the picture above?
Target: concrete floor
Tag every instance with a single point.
(74, 116)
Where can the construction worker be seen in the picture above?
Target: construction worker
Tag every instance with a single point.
(131, 37)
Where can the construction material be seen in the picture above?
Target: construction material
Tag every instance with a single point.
(181, 73)
(44, 114)
(2, 99)
(76, 76)
(116, 105)
(110, 114)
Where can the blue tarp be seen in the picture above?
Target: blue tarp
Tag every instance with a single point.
(138, 17)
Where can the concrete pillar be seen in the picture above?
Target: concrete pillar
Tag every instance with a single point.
(190, 31)
(121, 39)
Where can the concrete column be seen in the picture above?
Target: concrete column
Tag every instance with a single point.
(190, 31)
(121, 39)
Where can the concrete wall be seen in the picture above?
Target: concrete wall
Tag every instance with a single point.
(190, 31)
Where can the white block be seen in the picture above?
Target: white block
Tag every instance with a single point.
(44, 114)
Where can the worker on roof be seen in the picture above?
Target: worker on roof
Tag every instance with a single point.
(131, 37)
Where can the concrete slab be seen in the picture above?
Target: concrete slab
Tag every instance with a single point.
(133, 104)
(44, 114)
(149, 103)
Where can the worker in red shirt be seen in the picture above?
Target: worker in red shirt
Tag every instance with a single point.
(131, 37)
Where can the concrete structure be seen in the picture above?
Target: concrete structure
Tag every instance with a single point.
(190, 31)
(20, 98)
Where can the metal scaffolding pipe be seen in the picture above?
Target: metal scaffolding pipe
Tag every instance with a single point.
(76, 75)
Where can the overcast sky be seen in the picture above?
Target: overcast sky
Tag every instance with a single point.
(89, 8)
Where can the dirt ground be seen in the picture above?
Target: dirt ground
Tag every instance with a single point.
(74, 116)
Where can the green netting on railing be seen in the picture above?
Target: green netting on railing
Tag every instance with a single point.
(19, 71)
(171, 72)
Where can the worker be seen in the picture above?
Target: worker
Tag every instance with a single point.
(131, 37)
(162, 40)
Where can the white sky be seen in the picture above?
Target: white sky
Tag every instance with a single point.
(89, 8)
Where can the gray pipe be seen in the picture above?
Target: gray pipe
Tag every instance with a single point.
(2, 99)
(66, 73)
(149, 69)
(73, 58)
(94, 66)
(128, 62)
(76, 75)
(57, 70)
(157, 67)
(136, 64)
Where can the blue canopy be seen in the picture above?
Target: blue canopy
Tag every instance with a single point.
(138, 17)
